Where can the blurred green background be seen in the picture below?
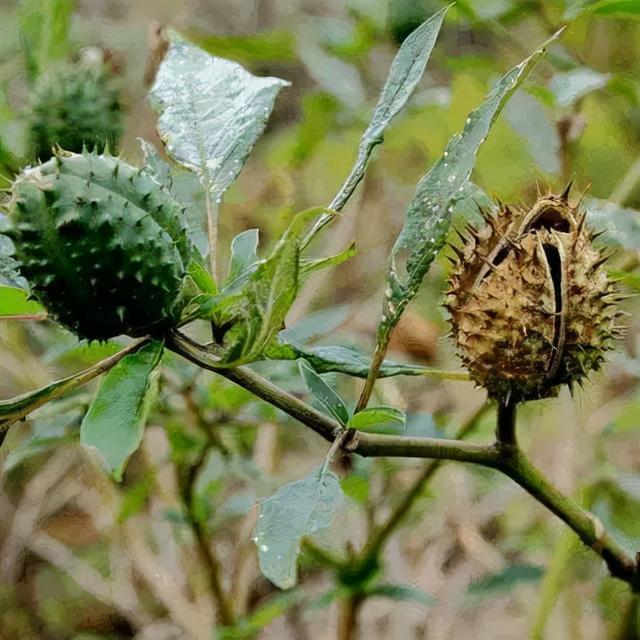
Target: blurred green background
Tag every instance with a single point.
(83, 558)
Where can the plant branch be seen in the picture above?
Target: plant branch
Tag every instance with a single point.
(212, 234)
(589, 528)
(509, 460)
(376, 362)
(19, 407)
(382, 534)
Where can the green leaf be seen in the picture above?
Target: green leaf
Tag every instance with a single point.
(323, 393)
(308, 267)
(429, 214)
(44, 27)
(620, 226)
(253, 315)
(9, 267)
(356, 488)
(258, 48)
(607, 8)
(296, 510)
(569, 86)
(203, 279)
(20, 406)
(378, 420)
(249, 627)
(115, 421)
(244, 257)
(338, 359)
(185, 188)
(402, 593)
(15, 303)
(155, 166)
(405, 72)
(211, 112)
(502, 582)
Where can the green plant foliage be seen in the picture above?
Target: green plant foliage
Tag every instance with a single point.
(267, 612)
(244, 258)
(324, 394)
(115, 421)
(101, 243)
(338, 359)
(16, 302)
(297, 509)
(569, 86)
(211, 112)
(74, 107)
(502, 582)
(44, 30)
(406, 70)
(620, 226)
(429, 214)
(401, 593)
(249, 319)
(378, 420)
(20, 406)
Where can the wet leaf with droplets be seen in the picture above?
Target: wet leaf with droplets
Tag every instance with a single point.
(296, 510)
(211, 112)
(429, 213)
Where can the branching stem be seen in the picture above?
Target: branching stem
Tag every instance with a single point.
(509, 460)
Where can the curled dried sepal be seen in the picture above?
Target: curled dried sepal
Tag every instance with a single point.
(530, 301)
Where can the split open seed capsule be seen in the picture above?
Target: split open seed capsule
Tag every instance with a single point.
(531, 304)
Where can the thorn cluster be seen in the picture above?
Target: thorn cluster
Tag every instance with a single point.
(530, 301)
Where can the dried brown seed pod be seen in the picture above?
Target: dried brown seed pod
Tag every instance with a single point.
(531, 305)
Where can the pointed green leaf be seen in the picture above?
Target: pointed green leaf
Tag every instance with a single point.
(296, 510)
(323, 393)
(211, 112)
(115, 421)
(504, 581)
(405, 72)
(15, 303)
(379, 420)
(429, 214)
(253, 315)
(338, 359)
(244, 257)
(401, 593)
(202, 278)
(308, 267)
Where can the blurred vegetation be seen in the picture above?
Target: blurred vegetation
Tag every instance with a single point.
(82, 557)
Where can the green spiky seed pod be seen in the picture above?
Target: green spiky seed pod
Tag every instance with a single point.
(530, 302)
(73, 107)
(101, 243)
